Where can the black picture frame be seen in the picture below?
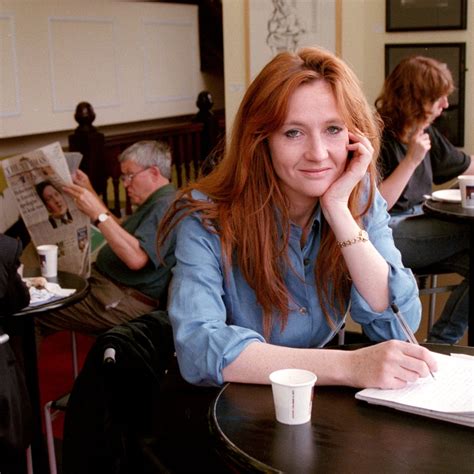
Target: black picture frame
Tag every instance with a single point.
(425, 15)
(451, 121)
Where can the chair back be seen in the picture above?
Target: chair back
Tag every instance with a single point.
(110, 403)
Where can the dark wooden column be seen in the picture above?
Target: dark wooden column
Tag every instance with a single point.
(87, 140)
(210, 132)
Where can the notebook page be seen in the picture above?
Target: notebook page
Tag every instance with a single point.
(451, 391)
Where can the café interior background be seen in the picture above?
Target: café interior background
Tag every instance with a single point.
(108, 40)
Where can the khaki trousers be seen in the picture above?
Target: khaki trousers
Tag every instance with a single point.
(105, 306)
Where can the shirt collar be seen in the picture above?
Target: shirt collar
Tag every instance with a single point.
(160, 192)
(315, 223)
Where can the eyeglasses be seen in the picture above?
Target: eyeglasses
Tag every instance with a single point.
(128, 177)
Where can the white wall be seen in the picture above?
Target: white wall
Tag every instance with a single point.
(131, 61)
(236, 60)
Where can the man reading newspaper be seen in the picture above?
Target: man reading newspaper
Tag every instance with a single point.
(128, 278)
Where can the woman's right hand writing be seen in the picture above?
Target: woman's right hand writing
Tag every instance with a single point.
(391, 364)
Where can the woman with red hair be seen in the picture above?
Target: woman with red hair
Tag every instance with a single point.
(286, 234)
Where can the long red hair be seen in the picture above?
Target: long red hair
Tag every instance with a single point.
(247, 207)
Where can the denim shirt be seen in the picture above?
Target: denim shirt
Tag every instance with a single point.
(215, 316)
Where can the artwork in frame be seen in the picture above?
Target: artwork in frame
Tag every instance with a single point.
(451, 121)
(287, 25)
(420, 15)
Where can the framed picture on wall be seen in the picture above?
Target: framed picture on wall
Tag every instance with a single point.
(451, 121)
(287, 25)
(419, 15)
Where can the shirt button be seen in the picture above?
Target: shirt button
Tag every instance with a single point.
(306, 261)
(303, 310)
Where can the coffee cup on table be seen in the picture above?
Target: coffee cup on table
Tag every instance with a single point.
(466, 185)
(48, 257)
(293, 395)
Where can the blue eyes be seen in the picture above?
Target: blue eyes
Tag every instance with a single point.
(293, 133)
(331, 130)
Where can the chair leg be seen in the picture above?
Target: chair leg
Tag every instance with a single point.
(48, 421)
(341, 336)
(75, 365)
(432, 304)
(29, 461)
(49, 414)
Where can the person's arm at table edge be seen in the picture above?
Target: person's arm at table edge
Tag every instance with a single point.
(393, 185)
(390, 364)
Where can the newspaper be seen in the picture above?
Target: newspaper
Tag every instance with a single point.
(51, 216)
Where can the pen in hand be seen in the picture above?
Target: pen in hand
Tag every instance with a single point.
(405, 328)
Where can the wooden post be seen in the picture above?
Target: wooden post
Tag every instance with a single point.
(87, 140)
(210, 132)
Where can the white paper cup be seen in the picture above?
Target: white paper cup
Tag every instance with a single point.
(466, 185)
(48, 256)
(293, 395)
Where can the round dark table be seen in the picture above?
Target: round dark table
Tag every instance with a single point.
(453, 211)
(22, 324)
(64, 280)
(345, 435)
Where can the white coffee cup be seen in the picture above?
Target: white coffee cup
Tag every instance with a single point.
(466, 185)
(48, 256)
(293, 395)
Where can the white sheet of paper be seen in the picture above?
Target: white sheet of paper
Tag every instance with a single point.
(452, 390)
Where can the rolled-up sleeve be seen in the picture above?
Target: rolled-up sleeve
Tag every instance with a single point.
(403, 289)
(205, 342)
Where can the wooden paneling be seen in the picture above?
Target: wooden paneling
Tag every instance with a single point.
(185, 142)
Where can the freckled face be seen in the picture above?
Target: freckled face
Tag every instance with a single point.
(309, 151)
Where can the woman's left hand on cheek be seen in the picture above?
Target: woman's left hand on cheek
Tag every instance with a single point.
(360, 153)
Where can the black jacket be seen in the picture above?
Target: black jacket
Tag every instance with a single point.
(15, 408)
(14, 294)
(111, 403)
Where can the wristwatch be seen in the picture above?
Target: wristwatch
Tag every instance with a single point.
(102, 217)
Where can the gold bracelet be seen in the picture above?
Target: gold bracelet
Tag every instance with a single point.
(362, 236)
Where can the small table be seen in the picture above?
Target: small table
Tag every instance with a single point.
(453, 211)
(22, 324)
(345, 435)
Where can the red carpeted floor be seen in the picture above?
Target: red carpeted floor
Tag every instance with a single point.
(55, 369)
